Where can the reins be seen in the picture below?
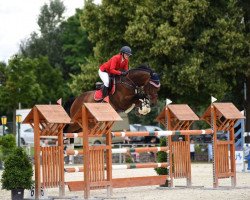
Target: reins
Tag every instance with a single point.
(130, 84)
(138, 90)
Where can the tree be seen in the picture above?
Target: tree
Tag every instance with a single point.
(65, 46)
(20, 85)
(64, 43)
(50, 81)
(2, 72)
(7, 145)
(48, 43)
(245, 4)
(106, 25)
(76, 46)
(85, 81)
(30, 82)
(198, 47)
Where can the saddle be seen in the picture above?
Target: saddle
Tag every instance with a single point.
(98, 91)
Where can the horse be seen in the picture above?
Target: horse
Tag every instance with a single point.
(138, 89)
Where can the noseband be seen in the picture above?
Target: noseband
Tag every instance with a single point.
(152, 85)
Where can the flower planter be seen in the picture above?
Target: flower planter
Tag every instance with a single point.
(17, 194)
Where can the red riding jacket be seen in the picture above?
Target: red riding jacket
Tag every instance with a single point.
(115, 64)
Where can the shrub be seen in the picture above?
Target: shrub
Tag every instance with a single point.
(18, 171)
(162, 157)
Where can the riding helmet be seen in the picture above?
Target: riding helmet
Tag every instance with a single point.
(126, 50)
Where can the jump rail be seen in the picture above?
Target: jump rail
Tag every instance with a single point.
(148, 133)
(122, 150)
(126, 166)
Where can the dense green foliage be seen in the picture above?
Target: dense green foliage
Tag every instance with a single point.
(245, 4)
(20, 84)
(65, 44)
(7, 145)
(198, 47)
(30, 81)
(86, 80)
(18, 171)
(76, 46)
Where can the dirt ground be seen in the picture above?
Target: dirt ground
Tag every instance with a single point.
(201, 176)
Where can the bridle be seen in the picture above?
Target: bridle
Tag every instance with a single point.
(151, 88)
(129, 83)
(143, 93)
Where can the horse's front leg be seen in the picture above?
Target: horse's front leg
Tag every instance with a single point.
(130, 108)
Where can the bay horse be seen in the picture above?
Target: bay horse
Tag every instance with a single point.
(138, 89)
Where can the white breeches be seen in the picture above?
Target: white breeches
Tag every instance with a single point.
(105, 77)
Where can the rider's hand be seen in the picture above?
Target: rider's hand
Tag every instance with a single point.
(124, 73)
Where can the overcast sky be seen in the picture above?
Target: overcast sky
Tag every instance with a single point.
(18, 19)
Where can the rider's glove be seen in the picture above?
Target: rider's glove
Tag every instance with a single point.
(124, 73)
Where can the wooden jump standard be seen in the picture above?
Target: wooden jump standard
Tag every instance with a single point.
(221, 117)
(175, 118)
(48, 120)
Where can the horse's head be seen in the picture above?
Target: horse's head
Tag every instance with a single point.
(147, 85)
(139, 76)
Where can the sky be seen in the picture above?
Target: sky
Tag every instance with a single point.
(18, 19)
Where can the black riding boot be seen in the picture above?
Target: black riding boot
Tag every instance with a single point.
(104, 91)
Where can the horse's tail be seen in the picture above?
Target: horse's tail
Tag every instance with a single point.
(68, 103)
(67, 106)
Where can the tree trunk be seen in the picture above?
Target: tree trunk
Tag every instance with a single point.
(246, 9)
(14, 122)
(248, 104)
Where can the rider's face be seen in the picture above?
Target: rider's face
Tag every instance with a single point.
(126, 56)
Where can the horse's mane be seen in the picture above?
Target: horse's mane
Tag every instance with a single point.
(144, 67)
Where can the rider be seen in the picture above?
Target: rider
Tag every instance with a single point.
(117, 65)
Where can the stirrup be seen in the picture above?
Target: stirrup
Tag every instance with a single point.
(98, 85)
